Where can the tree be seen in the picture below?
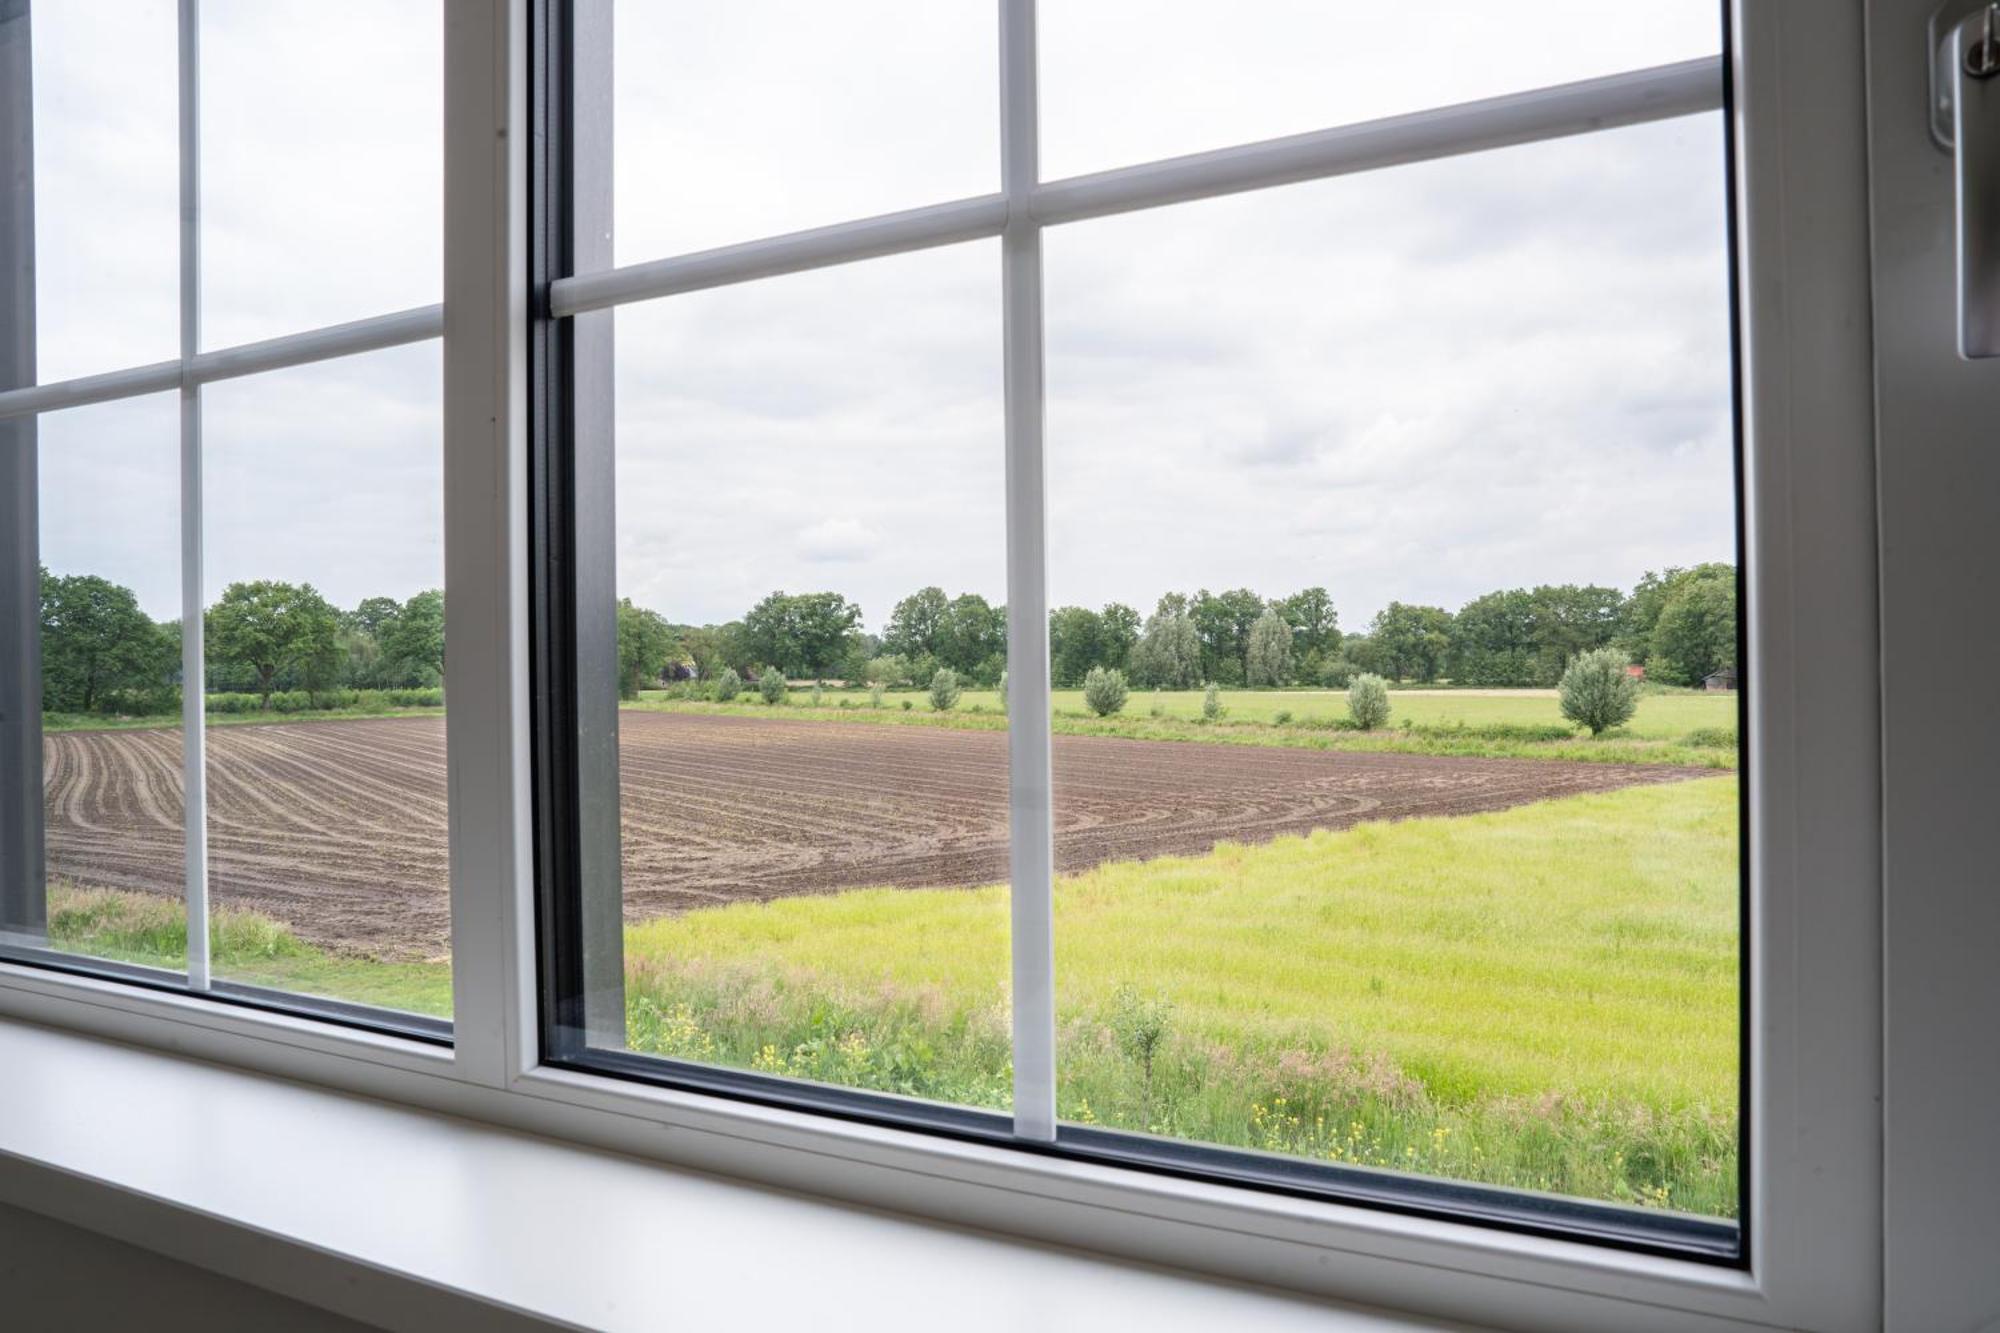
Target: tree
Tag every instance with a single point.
(915, 623)
(374, 616)
(1696, 631)
(944, 690)
(969, 632)
(727, 684)
(645, 642)
(1075, 644)
(805, 635)
(97, 645)
(1411, 642)
(1493, 640)
(1568, 620)
(413, 642)
(1315, 626)
(1118, 633)
(1268, 659)
(1168, 655)
(1598, 691)
(269, 627)
(771, 684)
(1223, 621)
(1368, 701)
(1104, 690)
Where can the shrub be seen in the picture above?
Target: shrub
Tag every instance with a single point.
(1140, 1027)
(1336, 673)
(875, 696)
(1597, 691)
(907, 705)
(1211, 704)
(816, 695)
(1283, 717)
(944, 690)
(1004, 704)
(1368, 701)
(847, 703)
(728, 685)
(771, 684)
(1713, 738)
(1104, 691)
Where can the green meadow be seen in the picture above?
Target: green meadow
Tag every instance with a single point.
(1543, 997)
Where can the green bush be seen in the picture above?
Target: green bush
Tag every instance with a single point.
(1283, 717)
(304, 701)
(1004, 704)
(1104, 691)
(1711, 738)
(1368, 701)
(875, 696)
(1336, 673)
(944, 690)
(907, 705)
(728, 685)
(816, 694)
(771, 684)
(1598, 692)
(1211, 704)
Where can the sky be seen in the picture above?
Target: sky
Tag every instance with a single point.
(1418, 384)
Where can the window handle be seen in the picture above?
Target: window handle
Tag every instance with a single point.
(1965, 119)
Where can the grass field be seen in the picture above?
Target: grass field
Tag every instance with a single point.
(52, 722)
(1542, 997)
(1681, 728)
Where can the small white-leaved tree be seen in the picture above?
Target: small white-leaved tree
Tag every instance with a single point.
(771, 684)
(944, 690)
(1368, 701)
(1598, 692)
(1211, 703)
(1268, 659)
(1104, 691)
(728, 685)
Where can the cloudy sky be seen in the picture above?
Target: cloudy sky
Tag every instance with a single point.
(1418, 384)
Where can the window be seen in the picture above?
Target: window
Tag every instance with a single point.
(1237, 679)
(1464, 361)
(225, 768)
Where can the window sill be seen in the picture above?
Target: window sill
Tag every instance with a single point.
(406, 1218)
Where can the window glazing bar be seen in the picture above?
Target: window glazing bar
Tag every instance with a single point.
(1633, 98)
(1031, 814)
(194, 675)
(795, 252)
(291, 349)
(1637, 97)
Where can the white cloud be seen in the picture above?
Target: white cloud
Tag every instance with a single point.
(837, 541)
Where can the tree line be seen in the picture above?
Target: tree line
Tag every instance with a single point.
(102, 653)
(1678, 623)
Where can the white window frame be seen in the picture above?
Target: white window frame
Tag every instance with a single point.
(1814, 1137)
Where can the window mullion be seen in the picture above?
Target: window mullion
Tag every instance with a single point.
(1031, 810)
(23, 906)
(194, 734)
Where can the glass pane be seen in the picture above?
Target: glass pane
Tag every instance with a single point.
(107, 187)
(737, 119)
(111, 748)
(322, 158)
(1126, 81)
(1465, 428)
(328, 866)
(813, 759)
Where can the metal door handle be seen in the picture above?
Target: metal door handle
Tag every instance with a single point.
(1965, 111)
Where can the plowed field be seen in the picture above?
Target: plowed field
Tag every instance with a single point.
(338, 828)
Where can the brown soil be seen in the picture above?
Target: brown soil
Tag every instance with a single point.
(338, 828)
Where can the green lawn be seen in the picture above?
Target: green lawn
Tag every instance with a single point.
(1543, 997)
